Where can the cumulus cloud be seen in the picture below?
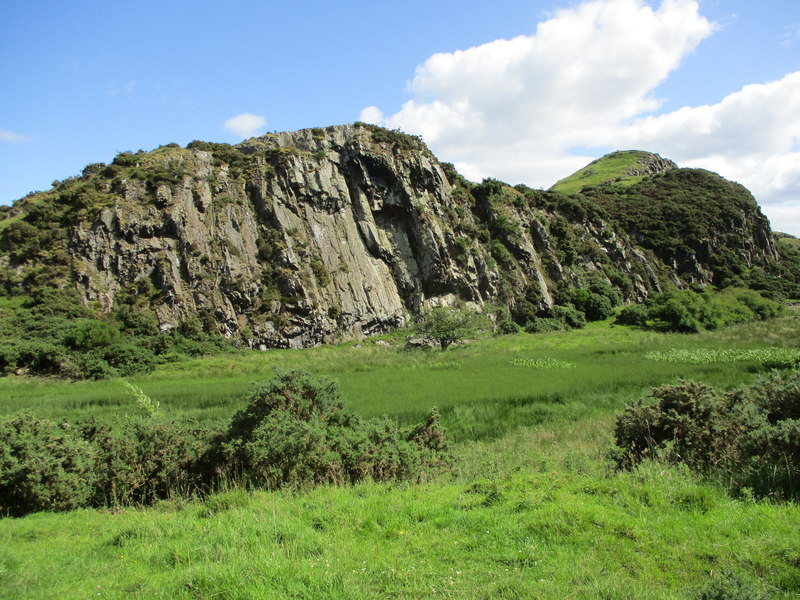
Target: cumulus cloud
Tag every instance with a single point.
(245, 125)
(784, 218)
(513, 108)
(751, 136)
(371, 114)
(522, 109)
(11, 137)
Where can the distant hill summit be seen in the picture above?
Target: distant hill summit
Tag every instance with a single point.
(298, 238)
(624, 167)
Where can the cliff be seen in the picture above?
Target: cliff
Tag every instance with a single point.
(294, 239)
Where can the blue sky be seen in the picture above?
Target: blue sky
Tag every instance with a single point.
(522, 91)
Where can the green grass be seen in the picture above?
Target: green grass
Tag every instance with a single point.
(530, 509)
(520, 531)
(479, 379)
(608, 168)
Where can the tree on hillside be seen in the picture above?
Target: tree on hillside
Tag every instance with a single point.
(449, 324)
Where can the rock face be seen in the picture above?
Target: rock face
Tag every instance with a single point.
(294, 239)
(651, 164)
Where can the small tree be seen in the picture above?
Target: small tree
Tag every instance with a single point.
(449, 324)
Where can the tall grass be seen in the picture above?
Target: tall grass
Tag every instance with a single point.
(531, 508)
(519, 374)
(649, 534)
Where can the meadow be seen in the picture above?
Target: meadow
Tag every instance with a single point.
(531, 508)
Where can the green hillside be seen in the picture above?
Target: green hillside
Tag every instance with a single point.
(618, 167)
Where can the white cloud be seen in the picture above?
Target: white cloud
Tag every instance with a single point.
(371, 114)
(784, 218)
(750, 136)
(245, 125)
(513, 108)
(517, 109)
(10, 136)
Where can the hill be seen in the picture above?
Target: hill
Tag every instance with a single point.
(299, 238)
(624, 167)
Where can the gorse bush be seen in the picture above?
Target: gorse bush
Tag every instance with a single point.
(293, 432)
(749, 439)
(44, 466)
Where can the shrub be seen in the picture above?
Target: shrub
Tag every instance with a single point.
(129, 359)
(9, 353)
(689, 311)
(507, 327)
(42, 358)
(90, 366)
(603, 288)
(598, 307)
(748, 439)
(573, 318)
(545, 324)
(686, 425)
(44, 466)
(501, 254)
(633, 314)
(145, 460)
(91, 334)
(294, 432)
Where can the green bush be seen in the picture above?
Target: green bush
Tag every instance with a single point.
(9, 353)
(572, 317)
(44, 466)
(544, 325)
(633, 314)
(91, 334)
(505, 327)
(145, 460)
(598, 307)
(748, 439)
(294, 432)
(688, 424)
(689, 311)
(501, 254)
(129, 359)
(90, 366)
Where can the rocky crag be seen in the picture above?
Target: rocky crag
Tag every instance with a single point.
(295, 239)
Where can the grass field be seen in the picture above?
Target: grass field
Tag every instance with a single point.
(531, 508)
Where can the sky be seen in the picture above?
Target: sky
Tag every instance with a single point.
(522, 91)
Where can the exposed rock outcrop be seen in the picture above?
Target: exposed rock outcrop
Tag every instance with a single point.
(294, 239)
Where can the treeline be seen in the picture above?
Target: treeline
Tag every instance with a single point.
(292, 432)
(692, 311)
(51, 332)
